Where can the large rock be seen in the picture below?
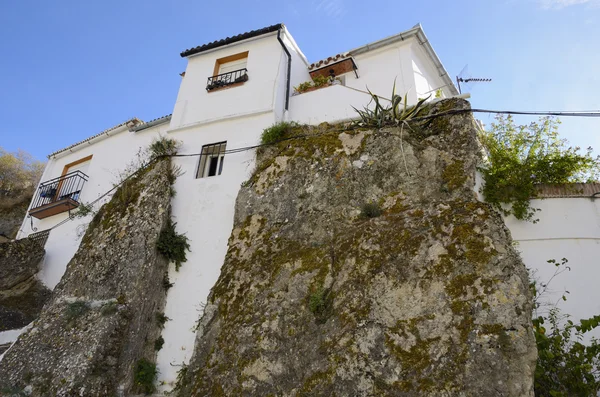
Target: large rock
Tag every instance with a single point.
(427, 298)
(19, 261)
(102, 316)
(22, 295)
(12, 211)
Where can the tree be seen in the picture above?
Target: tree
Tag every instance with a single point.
(520, 157)
(19, 173)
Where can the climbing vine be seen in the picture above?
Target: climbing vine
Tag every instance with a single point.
(519, 157)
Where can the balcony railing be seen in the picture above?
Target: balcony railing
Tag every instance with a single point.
(227, 79)
(58, 195)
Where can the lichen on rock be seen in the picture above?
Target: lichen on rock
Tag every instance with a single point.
(426, 298)
(101, 318)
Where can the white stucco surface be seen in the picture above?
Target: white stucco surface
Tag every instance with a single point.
(567, 228)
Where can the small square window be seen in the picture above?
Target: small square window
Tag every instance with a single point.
(211, 160)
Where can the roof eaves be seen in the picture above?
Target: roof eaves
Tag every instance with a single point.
(418, 32)
(129, 123)
(151, 123)
(231, 40)
(328, 61)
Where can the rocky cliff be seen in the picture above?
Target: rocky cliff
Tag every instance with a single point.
(12, 212)
(22, 296)
(361, 264)
(98, 332)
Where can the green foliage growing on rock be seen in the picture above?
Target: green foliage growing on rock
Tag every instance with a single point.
(163, 146)
(158, 343)
(76, 309)
(171, 245)
(161, 319)
(520, 157)
(275, 132)
(390, 114)
(166, 283)
(109, 308)
(144, 375)
(320, 303)
(370, 210)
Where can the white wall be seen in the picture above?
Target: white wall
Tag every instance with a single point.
(427, 77)
(196, 105)
(377, 70)
(567, 228)
(330, 104)
(203, 209)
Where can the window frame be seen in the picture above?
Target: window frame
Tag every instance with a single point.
(204, 162)
(227, 59)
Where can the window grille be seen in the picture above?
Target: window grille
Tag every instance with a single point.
(212, 158)
(40, 238)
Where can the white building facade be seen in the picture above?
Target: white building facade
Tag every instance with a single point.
(231, 90)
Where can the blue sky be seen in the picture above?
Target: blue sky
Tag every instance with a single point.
(70, 69)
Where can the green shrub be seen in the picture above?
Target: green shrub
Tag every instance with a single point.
(171, 245)
(275, 132)
(166, 283)
(566, 365)
(158, 343)
(321, 81)
(321, 305)
(370, 210)
(181, 380)
(161, 319)
(520, 157)
(144, 375)
(392, 114)
(163, 146)
(76, 309)
(302, 87)
(83, 210)
(109, 308)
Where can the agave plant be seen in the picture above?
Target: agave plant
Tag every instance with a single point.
(394, 113)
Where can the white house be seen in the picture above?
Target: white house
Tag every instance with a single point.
(230, 91)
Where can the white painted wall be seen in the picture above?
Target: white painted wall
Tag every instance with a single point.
(377, 70)
(330, 104)
(203, 209)
(567, 228)
(427, 78)
(196, 105)
(404, 62)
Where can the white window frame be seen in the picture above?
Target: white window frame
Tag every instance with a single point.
(208, 153)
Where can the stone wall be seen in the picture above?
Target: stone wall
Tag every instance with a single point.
(361, 264)
(22, 296)
(102, 316)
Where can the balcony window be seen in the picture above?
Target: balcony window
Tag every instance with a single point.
(211, 160)
(229, 71)
(58, 195)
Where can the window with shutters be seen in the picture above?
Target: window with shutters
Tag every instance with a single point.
(212, 158)
(229, 71)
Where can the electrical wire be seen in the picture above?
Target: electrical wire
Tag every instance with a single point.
(593, 113)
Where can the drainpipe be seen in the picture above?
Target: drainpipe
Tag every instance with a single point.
(289, 69)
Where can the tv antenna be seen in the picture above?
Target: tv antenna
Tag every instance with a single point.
(468, 81)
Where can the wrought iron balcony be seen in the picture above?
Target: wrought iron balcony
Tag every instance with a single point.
(227, 79)
(58, 195)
